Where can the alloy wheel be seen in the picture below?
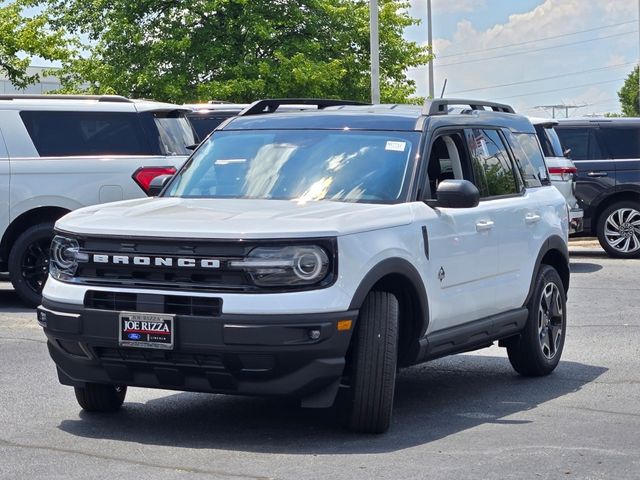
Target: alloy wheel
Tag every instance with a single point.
(550, 320)
(35, 264)
(622, 230)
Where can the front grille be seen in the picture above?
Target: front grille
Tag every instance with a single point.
(147, 263)
(134, 302)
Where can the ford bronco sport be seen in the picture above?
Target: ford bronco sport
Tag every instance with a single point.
(301, 253)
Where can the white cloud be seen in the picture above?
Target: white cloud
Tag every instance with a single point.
(529, 60)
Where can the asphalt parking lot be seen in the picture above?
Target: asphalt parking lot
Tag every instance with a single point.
(467, 416)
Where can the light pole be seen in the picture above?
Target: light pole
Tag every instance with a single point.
(375, 51)
(430, 40)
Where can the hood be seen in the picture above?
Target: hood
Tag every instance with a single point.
(232, 218)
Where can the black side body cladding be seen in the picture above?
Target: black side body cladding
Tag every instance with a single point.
(554, 249)
(397, 266)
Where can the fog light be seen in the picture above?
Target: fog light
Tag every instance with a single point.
(314, 334)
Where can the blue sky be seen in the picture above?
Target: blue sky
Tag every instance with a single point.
(587, 46)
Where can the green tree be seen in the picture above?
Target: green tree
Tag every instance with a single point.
(23, 37)
(237, 50)
(628, 95)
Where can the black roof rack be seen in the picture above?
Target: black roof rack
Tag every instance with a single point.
(271, 105)
(99, 98)
(440, 106)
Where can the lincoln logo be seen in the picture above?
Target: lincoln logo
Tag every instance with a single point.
(157, 261)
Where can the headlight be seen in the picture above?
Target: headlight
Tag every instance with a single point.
(285, 266)
(64, 257)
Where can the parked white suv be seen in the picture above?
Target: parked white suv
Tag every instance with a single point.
(62, 152)
(562, 171)
(297, 253)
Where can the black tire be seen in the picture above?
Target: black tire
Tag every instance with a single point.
(29, 262)
(626, 232)
(537, 351)
(96, 397)
(375, 356)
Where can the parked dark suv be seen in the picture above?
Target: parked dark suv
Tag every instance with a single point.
(606, 152)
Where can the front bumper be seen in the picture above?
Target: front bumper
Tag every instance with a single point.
(576, 216)
(234, 354)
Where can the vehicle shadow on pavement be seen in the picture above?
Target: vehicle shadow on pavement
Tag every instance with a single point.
(433, 401)
(9, 301)
(584, 267)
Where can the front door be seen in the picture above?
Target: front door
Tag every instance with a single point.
(463, 245)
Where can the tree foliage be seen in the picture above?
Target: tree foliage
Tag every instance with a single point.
(23, 37)
(628, 95)
(237, 50)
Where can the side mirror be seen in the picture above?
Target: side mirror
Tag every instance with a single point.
(567, 153)
(157, 184)
(456, 194)
(192, 147)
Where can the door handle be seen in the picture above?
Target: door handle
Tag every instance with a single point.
(597, 174)
(532, 218)
(484, 225)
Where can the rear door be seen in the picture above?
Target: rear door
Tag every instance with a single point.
(623, 144)
(596, 174)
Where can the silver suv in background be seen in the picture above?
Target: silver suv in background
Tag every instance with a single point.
(562, 171)
(62, 152)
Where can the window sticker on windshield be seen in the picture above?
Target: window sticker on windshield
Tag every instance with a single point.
(395, 146)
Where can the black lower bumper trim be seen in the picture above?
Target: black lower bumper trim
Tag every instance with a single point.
(292, 355)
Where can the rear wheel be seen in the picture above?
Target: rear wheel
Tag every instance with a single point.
(29, 262)
(537, 350)
(375, 355)
(96, 397)
(619, 230)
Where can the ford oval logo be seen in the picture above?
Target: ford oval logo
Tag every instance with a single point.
(134, 336)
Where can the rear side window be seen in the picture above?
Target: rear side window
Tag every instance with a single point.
(621, 142)
(529, 159)
(492, 168)
(68, 134)
(549, 141)
(582, 142)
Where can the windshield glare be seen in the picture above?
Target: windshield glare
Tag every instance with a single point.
(303, 165)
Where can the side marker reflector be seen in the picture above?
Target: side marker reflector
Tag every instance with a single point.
(344, 325)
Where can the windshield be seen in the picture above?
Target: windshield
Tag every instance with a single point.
(176, 133)
(341, 165)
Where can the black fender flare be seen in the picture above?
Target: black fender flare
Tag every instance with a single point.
(553, 243)
(397, 266)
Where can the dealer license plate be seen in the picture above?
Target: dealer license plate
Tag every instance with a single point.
(146, 330)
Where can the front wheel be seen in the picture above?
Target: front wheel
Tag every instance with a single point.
(375, 356)
(29, 262)
(96, 397)
(619, 230)
(537, 350)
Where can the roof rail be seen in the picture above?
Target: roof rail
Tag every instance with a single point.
(271, 105)
(440, 106)
(99, 98)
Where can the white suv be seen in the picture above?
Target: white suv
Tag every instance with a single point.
(62, 152)
(298, 253)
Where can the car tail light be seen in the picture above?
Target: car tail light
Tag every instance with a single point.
(144, 175)
(565, 173)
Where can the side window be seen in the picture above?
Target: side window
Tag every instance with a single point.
(493, 172)
(582, 142)
(447, 160)
(621, 142)
(61, 134)
(529, 159)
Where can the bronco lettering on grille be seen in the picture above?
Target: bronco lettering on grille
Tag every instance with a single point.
(156, 261)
